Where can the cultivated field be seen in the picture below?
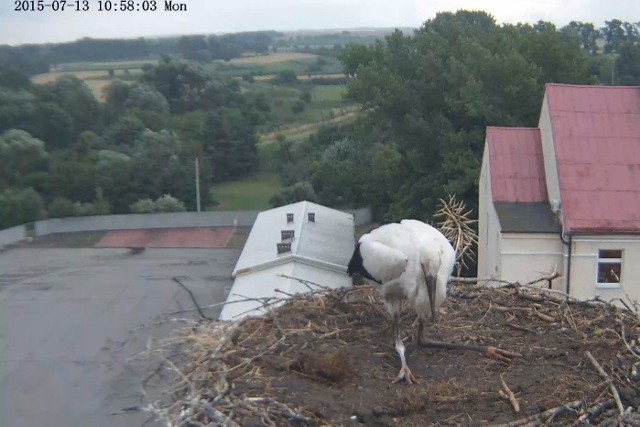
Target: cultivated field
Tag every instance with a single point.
(272, 58)
(95, 74)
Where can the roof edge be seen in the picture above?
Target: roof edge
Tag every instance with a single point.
(290, 258)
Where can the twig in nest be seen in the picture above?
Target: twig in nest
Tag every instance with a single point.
(506, 393)
(193, 298)
(594, 411)
(612, 387)
(307, 283)
(549, 413)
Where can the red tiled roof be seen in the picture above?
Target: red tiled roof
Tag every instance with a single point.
(596, 136)
(517, 168)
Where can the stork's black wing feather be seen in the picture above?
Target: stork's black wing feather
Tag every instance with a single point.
(356, 266)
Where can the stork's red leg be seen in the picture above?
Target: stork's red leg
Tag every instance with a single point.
(405, 373)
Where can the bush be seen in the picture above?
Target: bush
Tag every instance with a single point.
(143, 206)
(60, 207)
(285, 77)
(297, 192)
(83, 209)
(297, 107)
(20, 206)
(166, 203)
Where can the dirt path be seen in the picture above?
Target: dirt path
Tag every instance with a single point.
(304, 130)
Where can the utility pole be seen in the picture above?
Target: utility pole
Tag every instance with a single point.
(197, 185)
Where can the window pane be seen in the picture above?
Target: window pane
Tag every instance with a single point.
(610, 253)
(609, 272)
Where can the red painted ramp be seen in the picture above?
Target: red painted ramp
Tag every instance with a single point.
(201, 237)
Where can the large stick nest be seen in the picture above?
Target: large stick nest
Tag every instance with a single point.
(327, 358)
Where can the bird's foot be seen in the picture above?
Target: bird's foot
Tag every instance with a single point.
(406, 374)
(501, 355)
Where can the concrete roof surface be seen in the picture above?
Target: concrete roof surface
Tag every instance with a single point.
(72, 322)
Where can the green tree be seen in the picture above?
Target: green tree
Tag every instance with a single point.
(20, 207)
(112, 174)
(428, 99)
(124, 132)
(628, 64)
(229, 141)
(160, 167)
(75, 97)
(353, 56)
(146, 98)
(20, 155)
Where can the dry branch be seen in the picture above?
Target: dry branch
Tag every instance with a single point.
(612, 387)
(506, 393)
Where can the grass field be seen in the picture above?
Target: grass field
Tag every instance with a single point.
(302, 64)
(252, 193)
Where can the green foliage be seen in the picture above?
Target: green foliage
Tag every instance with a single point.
(229, 139)
(429, 99)
(61, 207)
(123, 132)
(20, 155)
(20, 206)
(285, 77)
(188, 86)
(628, 64)
(166, 203)
(297, 192)
(146, 98)
(297, 107)
(77, 100)
(143, 206)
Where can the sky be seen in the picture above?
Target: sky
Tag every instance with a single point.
(216, 16)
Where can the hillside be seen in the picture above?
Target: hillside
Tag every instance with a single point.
(328, 359)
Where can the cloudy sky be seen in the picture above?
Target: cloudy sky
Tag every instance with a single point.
(217, 16)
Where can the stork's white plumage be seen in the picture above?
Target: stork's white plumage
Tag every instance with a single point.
(410, 260)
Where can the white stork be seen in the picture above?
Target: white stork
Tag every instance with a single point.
(411, 260)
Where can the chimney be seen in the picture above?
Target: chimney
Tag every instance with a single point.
(286, 234)
(312, 217)
(289, 218)
(283, 247)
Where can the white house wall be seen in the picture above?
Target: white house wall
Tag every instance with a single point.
(488, 225)
(528, 256)
(548, 152)
(584, 267)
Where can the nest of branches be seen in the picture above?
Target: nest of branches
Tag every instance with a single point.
(326, 358)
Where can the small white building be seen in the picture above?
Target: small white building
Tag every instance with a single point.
(299, 241)
(565, 196)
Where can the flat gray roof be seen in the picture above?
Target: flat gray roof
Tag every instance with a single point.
(72, 321)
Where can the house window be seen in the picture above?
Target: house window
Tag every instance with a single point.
(609, 267)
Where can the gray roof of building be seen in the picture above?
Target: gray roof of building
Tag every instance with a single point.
(526, 218)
